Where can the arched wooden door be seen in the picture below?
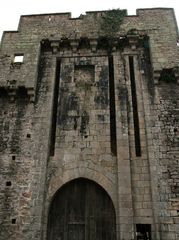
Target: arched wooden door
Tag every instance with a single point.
(81, 210)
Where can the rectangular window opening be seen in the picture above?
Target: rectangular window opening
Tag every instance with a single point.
(55, 106)
(143, 231)
(112, 107)
(135, 108)
(18, 58)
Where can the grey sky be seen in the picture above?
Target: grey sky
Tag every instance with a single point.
(11, 10)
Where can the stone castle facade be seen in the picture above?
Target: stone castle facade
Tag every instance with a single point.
(89, 143)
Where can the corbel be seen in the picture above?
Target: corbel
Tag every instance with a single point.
(74, 43)
(93, 44)
(55, 46)
(156, 75)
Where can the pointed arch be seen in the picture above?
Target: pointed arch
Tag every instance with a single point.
(81, 210)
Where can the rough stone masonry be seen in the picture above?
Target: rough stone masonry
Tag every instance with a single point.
(89, 138)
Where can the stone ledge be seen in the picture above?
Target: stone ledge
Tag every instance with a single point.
(12, 93)
(132, 41)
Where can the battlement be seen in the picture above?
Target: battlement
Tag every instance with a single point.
(52, 20)
(89, 127)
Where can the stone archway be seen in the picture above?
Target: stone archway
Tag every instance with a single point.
(81, 210)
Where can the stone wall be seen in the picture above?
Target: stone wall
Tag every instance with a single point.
(73, 109)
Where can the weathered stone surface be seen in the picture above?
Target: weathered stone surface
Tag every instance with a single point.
(68, 106)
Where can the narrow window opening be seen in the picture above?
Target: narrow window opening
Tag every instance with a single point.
(75, 123)
(135, 108)
(13, 157)
(112, 107)
(8, 183)
(13, 221)
(54, 111)
(143, 231)
(18, 58)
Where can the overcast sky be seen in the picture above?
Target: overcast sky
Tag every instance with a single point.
(11, 10)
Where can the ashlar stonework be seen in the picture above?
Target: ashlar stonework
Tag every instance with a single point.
(89, 143)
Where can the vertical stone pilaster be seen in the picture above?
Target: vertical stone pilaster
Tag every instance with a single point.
(124, 189)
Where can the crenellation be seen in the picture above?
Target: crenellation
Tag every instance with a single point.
(89, 128)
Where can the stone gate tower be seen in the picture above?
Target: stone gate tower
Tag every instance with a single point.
(89, 128)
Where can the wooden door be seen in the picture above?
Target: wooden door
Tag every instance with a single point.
(81, 210)
(76, 231)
